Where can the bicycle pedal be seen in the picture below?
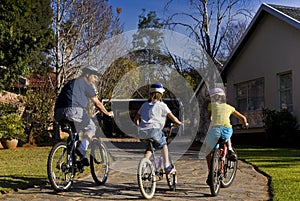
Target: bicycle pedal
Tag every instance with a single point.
(80, 170)
(79, 167)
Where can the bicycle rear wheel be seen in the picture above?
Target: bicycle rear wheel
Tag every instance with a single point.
(146, 178)
(60, 170)
(172, 178)
(230, 168)
(99, 162)
(214, 175)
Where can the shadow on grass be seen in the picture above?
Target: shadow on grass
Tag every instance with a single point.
(12, 183)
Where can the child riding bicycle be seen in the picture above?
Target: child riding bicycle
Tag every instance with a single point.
(220, 112)
(151, 119)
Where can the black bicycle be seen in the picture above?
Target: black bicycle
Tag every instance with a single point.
(151, 170)
(223, 166)
(63, 164)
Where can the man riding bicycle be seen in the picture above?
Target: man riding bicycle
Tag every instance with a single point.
(71, 105)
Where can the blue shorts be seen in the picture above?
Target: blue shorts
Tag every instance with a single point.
(215, 132)
(155, 134)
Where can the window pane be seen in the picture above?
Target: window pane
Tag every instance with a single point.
(285, 91)
(250, 100)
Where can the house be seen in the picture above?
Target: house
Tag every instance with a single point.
(264, 69)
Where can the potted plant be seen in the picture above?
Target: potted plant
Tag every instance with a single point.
(12, 129)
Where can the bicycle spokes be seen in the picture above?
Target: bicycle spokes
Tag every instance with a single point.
(59, 167)
(99, 162)
(146, 178)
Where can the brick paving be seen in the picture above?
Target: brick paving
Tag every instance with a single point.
(122, 183)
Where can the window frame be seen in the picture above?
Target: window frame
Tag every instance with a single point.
(253, 106)
(281, 90)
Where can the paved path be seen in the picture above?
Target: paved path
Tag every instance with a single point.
(121, 185)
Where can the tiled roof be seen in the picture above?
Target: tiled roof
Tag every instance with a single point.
(290, 11)
(35, 81)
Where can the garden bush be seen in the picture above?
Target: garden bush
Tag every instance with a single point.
(281, 127)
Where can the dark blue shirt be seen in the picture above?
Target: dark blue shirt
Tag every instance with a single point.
(75, 93)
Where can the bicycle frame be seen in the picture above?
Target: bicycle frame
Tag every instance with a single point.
(157, 162)
(72, 141)
(222, 147)
(222, 168)
(151, 171)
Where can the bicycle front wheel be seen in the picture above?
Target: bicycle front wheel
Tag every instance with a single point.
(146, 178)
(172, 178)
(60, 170)
(230, 168)
(214, 175)
(99, 162)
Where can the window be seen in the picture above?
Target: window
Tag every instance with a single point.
(250, 100)
(250, 95)
(285, 90)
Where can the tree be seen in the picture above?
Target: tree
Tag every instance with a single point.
(40, 24)
(148, 38)
(39, 104)
(148, 41)
(25, 34)
(231, 38)
(80, 25)
(113, 75)
(209, 22)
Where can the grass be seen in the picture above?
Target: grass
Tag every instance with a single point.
(281, 164)
(22, 168)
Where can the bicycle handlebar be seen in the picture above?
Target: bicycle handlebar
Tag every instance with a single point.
(240, 126)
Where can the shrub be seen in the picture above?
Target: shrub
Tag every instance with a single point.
(12, 127)
(7, 108)
(39, 114)
(281, 127)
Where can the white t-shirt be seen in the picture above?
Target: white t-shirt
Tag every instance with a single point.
(153, 115)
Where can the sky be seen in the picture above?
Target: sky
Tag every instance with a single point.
(131, 9)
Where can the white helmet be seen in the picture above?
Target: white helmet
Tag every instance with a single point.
(90, 70)
(216, 91)
(157, 87)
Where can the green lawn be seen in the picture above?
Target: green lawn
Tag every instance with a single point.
(22, 168)
(281, 164)
(25, 167)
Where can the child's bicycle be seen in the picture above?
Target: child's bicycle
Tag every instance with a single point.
(63, 165)
(222, 168)
(151, 170)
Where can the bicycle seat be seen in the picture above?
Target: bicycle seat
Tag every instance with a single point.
(147, 140)
(221, 141)
(67, 126)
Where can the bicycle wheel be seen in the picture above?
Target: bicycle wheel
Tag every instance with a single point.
(99, 162)
(230, 168)
(214, 175)
(146, 178)
(59, 169)
(172, 178)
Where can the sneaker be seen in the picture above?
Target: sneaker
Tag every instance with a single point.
(78, 152)
(208, 180)
(232, 155)
(84, 162)
(170, 170)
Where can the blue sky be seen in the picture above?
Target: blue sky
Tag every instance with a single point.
(132, 8)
